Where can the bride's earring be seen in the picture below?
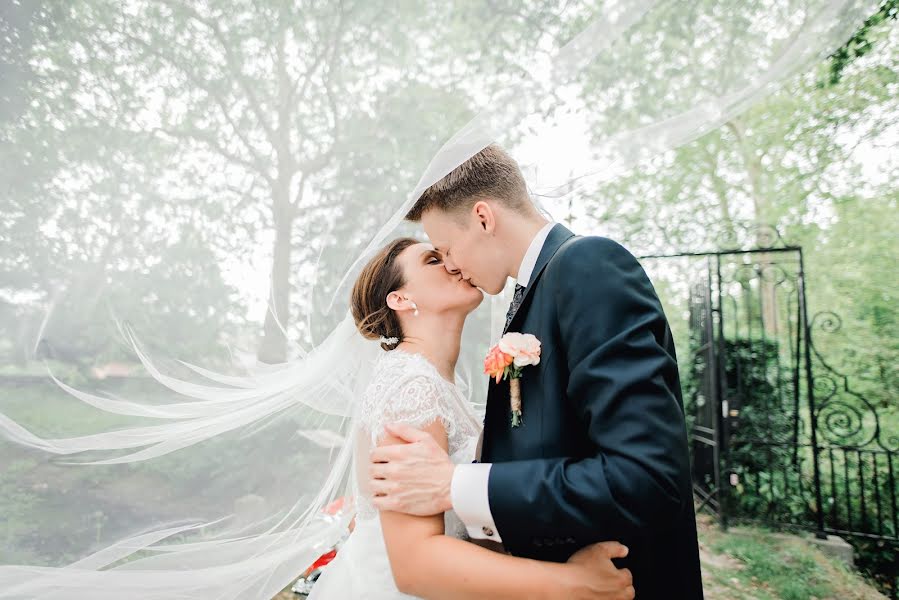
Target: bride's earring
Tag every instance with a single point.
(415, 306)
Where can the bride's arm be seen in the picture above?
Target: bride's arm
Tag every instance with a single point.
(429, 564)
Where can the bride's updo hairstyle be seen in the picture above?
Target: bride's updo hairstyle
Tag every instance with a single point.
(382, 275)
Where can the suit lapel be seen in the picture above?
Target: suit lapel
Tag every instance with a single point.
(558, 235)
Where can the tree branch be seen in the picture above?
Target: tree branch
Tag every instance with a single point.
(231, 61)
(208, 138)
(204, 85)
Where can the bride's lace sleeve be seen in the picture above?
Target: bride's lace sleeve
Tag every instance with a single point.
(416, 400)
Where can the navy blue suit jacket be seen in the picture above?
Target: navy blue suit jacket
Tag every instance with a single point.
(602, 450)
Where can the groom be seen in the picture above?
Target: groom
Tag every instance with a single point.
(601, 453)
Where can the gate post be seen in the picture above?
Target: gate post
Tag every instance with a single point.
(810, 389)
(720, 402)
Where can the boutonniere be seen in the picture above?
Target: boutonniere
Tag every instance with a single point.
(506, 359)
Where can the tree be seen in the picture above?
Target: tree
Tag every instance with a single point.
(812, 160)
(288, 124)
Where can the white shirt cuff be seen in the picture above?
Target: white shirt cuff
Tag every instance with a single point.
(468, 492)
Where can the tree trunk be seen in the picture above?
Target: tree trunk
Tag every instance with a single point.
(721, 190)
(273, 348)
(767, 291)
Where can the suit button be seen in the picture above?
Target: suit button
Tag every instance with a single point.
(487, 531)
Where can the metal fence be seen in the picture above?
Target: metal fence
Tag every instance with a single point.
(778, 435)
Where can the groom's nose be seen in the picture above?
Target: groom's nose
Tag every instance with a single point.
(450, 267)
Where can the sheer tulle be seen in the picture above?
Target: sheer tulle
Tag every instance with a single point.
(205, 477)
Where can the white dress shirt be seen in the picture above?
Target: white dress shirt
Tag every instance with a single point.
(468, 489)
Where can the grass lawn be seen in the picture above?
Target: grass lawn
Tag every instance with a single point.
(749, 562)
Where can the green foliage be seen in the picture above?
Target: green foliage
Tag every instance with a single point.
(809, 161)
(860, 44)
(877, 560)
(761, 451)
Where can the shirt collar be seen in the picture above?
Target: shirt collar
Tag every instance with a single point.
(530, 257)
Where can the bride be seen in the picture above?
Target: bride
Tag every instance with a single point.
(405, 298)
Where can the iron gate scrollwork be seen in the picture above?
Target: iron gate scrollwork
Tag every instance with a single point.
(777, 433)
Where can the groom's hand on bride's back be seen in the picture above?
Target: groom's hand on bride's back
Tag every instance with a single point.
(412, 478)
(595, 576)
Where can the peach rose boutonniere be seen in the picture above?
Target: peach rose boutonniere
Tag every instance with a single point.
(506, 360)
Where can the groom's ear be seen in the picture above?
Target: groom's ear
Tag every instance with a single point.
(484, 216)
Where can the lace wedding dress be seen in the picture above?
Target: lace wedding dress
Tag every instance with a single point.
(405, 388)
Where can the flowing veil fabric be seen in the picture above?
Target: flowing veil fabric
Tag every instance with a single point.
(202, 474)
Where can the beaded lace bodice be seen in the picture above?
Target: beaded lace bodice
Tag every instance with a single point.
(404, 388)
(407, 388)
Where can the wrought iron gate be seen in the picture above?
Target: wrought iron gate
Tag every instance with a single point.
(777, 434)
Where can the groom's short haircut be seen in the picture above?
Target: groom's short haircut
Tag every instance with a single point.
(491, 173)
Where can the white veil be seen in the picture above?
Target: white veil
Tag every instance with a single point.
(157, 197)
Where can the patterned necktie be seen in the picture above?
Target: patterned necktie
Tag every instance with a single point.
(516, 302)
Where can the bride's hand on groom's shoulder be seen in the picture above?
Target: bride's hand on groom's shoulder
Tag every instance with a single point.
(593, 575)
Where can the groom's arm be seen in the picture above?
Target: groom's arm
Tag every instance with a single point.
(428, 564)
(623, 389)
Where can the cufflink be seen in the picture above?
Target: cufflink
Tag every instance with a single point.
(487, 531)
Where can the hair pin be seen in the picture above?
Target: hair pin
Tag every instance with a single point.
(390, 341)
